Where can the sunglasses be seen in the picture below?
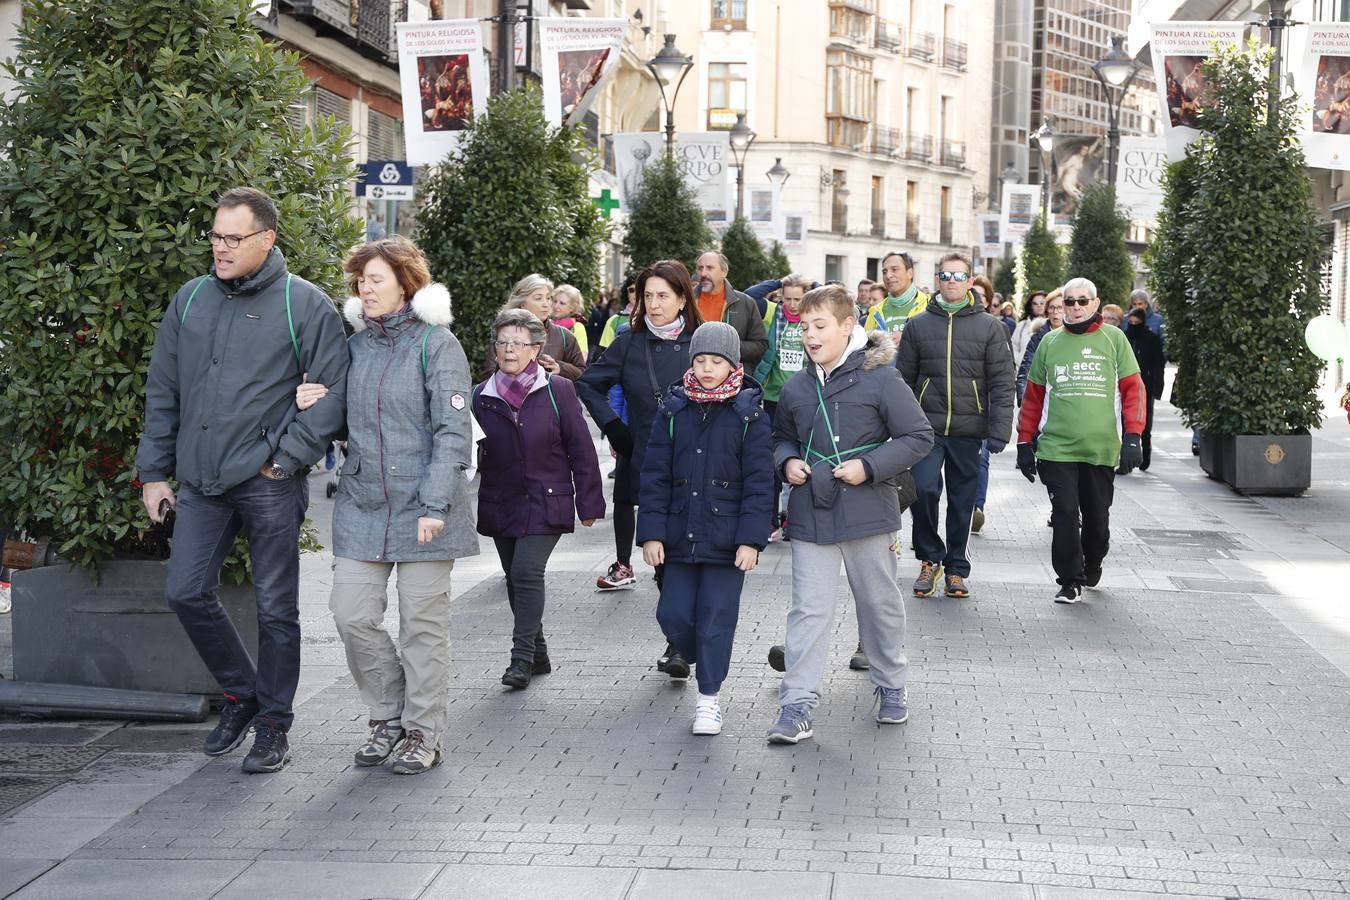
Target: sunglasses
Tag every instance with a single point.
(954, 276)
(1080, 301)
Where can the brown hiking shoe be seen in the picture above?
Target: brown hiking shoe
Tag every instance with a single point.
(956, 587)
(926, 583)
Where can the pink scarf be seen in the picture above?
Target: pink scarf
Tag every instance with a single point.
(514, 389)
(724, 391)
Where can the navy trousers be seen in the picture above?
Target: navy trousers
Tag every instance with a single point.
(699, 606)
(958, 458)
(270, 514)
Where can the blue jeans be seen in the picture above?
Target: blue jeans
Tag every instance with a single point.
(270, 514)
(959, 459)
(983, 493)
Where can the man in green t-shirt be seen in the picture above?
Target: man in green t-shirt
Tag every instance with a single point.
(1080, 376)
(903, 297)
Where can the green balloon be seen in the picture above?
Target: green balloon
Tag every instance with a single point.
(1325, 336)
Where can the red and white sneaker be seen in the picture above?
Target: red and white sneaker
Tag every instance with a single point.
(618, 576)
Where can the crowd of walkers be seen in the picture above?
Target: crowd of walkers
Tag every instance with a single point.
(791, 411)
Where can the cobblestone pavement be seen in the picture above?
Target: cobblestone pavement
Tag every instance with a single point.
(1184, 731)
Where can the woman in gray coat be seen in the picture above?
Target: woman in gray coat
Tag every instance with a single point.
(403, 500)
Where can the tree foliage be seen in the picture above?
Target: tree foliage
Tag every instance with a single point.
(1169, 261)
(511, 199)
(779, 264)
(1042, 258)
(1097, 250)
(130, 118)
(664, 219)
(1005, 277)
(1251, 254)
(747, 262)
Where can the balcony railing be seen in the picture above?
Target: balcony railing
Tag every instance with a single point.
(954, 54)
(922, 44)
(862, 6)
(953, 154)
(888, 36)
(886, 141)
(879, 223)
(911, 227)
(366, 25)
(919, 147)
(945, 235)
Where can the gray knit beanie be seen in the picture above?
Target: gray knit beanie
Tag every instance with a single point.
(719, 339)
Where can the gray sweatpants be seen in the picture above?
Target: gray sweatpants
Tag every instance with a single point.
(410, 686)
(870, 566)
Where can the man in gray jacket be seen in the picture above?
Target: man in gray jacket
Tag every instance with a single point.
(221, 418)
(957, 361)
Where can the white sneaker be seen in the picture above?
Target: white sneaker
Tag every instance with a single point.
(707, 715)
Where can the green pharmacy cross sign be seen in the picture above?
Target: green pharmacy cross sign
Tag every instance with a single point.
(606, 202)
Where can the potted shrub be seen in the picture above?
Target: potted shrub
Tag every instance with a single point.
(129, 119)
(1245, 255)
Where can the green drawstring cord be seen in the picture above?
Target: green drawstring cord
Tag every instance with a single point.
(838, 457)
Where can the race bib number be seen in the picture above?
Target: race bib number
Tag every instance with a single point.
(791, 360)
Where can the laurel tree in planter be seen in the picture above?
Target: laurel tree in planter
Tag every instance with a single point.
(1097, 250)
(1252, 233)
(130, 118)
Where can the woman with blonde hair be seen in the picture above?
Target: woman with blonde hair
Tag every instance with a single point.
(403, 501)
(569, 312)
(561, 354)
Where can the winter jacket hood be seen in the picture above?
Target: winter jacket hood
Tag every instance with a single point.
(431, 305)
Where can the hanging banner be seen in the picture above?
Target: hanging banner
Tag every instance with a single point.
(1078, 160)
(578, 57)
(1178, 50)
(444, 77)
(1021, 205)
(761, 208)
(1143, 161)
(794, 230)
(1325, 77)
(991, 236)
(701, 156)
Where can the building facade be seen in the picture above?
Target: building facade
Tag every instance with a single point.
(878, 109)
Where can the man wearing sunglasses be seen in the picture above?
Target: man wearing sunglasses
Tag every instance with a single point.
(959, 364)
(1067, 433)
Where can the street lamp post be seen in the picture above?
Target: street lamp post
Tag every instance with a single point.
(1045, 140)
(1276, 22)
(777, 175)
(1115, 71)
(741, 137)
(670, 65)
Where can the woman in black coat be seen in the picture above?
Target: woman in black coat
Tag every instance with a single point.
(645, 360)
(1148, 349)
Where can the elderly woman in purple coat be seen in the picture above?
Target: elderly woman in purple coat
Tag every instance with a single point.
(539, 474)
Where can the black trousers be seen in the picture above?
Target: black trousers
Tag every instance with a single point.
(524, 561)
(1148, 436)
(771, 410)
(1078, 492)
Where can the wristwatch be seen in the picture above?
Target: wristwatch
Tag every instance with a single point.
(277, 472)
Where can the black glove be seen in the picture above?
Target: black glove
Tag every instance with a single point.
(1131, 453)
(994, 445)
(1026, 461)
(620, 437)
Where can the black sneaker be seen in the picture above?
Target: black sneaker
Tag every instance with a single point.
(542, 664)
(517, 674)
(778, 658)
(271, 751)
(236, 718)
(676, 667)
(1092, 575)
(858, 661)
(665, 656)
(1069, 593)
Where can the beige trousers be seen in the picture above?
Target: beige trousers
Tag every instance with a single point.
(409, 682)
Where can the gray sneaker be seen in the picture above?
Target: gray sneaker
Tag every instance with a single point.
(417, 756)
(793, 725)
(892, 706)
(385, 735)
(926, 584)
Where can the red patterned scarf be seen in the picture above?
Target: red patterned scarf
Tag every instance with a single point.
(724, 391)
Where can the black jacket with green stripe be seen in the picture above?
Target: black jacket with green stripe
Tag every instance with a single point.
(220, 393)
(961, 368)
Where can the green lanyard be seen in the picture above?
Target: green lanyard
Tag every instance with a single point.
(838, 457)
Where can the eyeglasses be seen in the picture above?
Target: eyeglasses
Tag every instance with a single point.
(231, 240)
(954, 276)
(1081, 301)
(515, 345)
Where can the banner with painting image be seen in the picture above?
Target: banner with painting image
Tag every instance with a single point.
(1021, 206)
(1179, 49)
(578, 57)
(444, 78)
(1325, 79)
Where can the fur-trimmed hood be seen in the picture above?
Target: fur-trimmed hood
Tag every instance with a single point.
(880, 350)
(431, 304)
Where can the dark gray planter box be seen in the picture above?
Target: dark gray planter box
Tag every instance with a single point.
(116, 631)
(1267, 464)
(1211, 456)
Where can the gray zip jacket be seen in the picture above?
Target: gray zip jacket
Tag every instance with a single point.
(863, 403)
(409, 436)
(220, 394)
